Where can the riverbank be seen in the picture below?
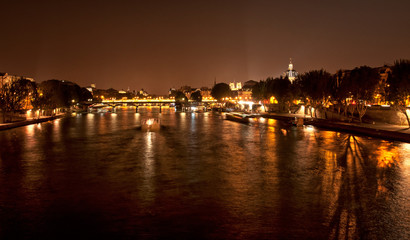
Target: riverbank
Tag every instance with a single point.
(378, 130)
(5, 126)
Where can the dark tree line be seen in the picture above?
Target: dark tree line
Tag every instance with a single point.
(349, 92)
(23, 94)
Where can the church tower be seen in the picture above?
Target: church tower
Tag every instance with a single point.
(291, 73)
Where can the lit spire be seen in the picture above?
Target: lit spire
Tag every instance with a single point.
(290, 65)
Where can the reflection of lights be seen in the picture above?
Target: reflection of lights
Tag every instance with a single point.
(262, 119)
(406, 146)
(149, 154)
(149, 122)
(309, 128)
(271, 121)
(387, 157)
(30, 129)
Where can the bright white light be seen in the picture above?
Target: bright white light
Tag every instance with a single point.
(247, 103)
(149, 122)
(309, 128)
(302, 108)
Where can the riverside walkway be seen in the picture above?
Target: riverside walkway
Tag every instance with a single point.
(5, 126)
(378, 130)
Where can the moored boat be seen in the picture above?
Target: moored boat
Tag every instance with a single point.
(237, 117)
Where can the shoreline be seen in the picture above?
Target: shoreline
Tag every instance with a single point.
(381, 131)
(6, 126)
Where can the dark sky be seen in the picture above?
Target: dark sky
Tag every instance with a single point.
(156, 45)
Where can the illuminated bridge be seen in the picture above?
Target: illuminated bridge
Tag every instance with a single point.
(154, 101)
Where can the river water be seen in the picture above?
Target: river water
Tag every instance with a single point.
(199, 177)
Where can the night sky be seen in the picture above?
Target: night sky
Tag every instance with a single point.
(157, 45)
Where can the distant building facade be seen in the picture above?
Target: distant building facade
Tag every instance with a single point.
(235, 86)
(6, 78)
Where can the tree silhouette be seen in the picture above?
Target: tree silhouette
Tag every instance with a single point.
(280, 89)
(363, 82)
(180, 97)
(260, 91)
(315, 88)
(196, 96)
(398, 91)
(221, 90)
(16, 96)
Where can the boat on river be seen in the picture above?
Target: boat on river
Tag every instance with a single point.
(99, 108)
(150, 124)
(237, 117)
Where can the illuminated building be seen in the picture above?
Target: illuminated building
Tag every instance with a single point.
(6, 78)
(235, 86)
(291, 73)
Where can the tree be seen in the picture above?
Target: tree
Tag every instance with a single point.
(15, 96)
(398, 91)
(221, 90)
(260, 91)
(280, 89)
(85, 95)
(180, 97)
(41, 101)
(363, 81)
(62, 93)
(196, 96)
(315, 88)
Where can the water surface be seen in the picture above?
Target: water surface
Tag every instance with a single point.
(200, 177)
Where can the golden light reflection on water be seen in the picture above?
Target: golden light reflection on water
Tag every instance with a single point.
(149, 154)
(354, 169)
(387, 155)
(148, 189)
(262, 177)
(30, 129)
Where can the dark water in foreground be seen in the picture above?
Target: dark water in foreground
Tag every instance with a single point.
(201, 177)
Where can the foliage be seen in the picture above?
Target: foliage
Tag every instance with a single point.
(315, 87)
(221, 90)
(41, 101)
(62, 93)
(15, 96)
(196, 96)
(280, 89)
(398, 91)
(180, 97)
(363, 82)
(260, 91)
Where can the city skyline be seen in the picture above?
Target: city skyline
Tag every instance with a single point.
(156, 46)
